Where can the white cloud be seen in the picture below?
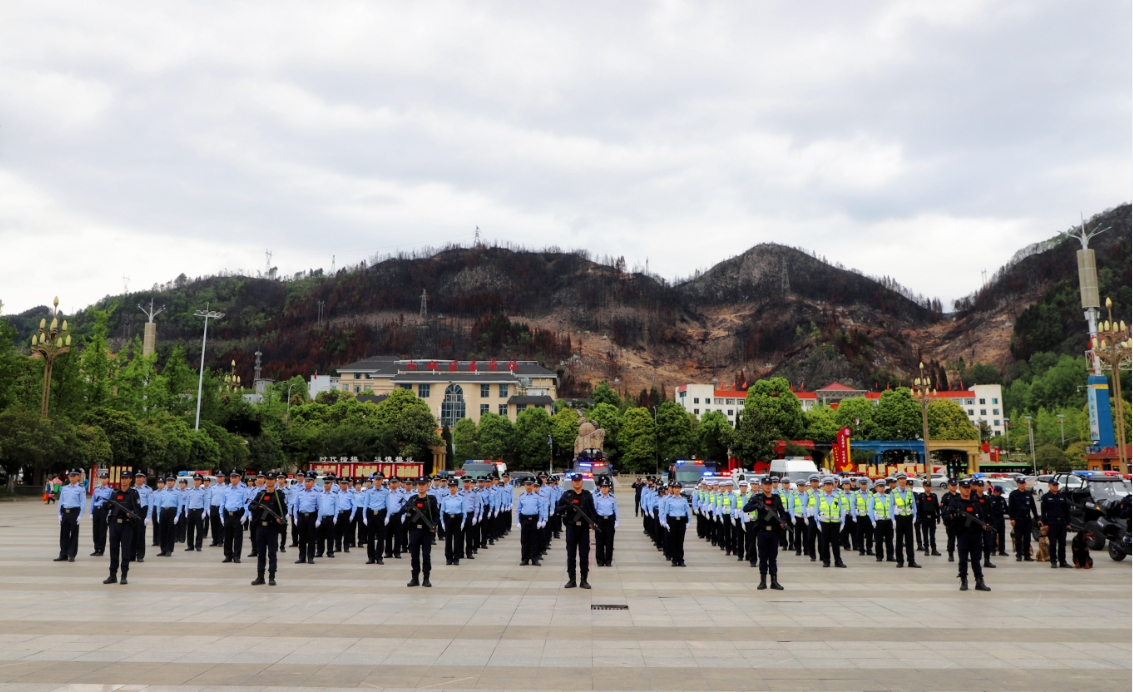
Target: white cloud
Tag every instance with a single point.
(921, 140)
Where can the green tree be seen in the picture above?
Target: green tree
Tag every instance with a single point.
(98, 371)
(265, 452)
(779, 407)
(714, 436)
(532, 433)
(897, 416)
(179, 382)
(676, 433)
(857, 414)
(497, 437)
(28, 442)
(466, 436)
(947, 421)
(1052, 458)
(604, 395)
(637, 442)
(124, 434)
(411, 422)
(564, 431)
(607, 417)
(754, 438)
(822, 424)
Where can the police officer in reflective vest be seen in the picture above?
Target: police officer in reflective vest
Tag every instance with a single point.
(830, 515)
(904, 518)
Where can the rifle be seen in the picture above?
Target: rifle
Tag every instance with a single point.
(128, 512)
(769, 514)
(581, 513)
(970, 517)
(260, 505)
(417, 514)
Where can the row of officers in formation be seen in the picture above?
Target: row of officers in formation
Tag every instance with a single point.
(391, 517)
(822, 516)
(387, 516)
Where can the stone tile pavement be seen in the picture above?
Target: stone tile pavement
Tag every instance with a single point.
(191, 624)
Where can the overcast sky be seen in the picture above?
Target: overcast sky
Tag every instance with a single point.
(926, 141)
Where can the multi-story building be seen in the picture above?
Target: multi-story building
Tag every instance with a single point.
(983, 403)
(457, 389)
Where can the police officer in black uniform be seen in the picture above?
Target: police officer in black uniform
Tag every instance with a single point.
(928, 515)
(767, 518)
(1022, 512)
(998, 522)
(1054, 510)
(268, 510)
(989, 532)
(576, 508)
(421, 517)
(124, 514)
(961, 514)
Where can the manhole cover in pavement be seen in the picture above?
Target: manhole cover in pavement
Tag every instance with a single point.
(596, 606)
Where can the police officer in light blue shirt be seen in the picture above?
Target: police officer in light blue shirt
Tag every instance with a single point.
(373, 506)
(530, 515)
(72, 502)
(606, 508)
(98, 511)
(193, 511)
(344, 509)
(451, 505)
(304, 508)
(328, 513)
(232, 510)
(168, 501)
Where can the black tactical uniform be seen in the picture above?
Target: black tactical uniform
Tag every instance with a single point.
(421, 517)
(576, 510)
(946, 500)
(1021, 510)
(998, 523)
(964, 515)
(766, 517)
(1055, 512)
(928, 514)
(269, 514)
(124, 514)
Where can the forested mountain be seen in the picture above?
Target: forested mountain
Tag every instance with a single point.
(773, 310)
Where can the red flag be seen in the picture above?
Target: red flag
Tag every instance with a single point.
(512, 365)
(472, 366)
(412, 365)
(432, 365)
(492, 365)
(452, 366)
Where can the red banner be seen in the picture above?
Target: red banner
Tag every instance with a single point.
(843, 462)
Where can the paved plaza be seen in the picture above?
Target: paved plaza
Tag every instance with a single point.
(191, 624)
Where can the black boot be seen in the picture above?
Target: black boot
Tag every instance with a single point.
(762, 582)
(584, 584)
(259, 581)
(951, 557)
(914, 565)
(775, 583)
(987, 563)
(123, 581)
(935, 553)
(413, 581)
(426, 583)
(112, 579)
(271, 578)
(963, 583)
(571, 583)
(980, 585)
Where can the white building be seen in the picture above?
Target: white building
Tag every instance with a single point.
(321, 383)
(699, 399)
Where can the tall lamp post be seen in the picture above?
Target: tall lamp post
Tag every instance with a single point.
(204, 340)
(923, 389)
(51, 342)
(1113, 347)
(1062, 428)
(1031, 437)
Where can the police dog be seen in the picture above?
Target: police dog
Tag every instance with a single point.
(1044, 547)
(1080, 547)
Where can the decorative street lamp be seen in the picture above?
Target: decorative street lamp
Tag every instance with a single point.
(231, 380)
(1062, 428)
(1031, 437)
(51, 342)
(922, 387)
(1113, 347)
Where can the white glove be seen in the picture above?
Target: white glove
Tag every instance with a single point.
(365, 521)
(540, 524)
(617, 524)
(403, 518)
(146, 522)
(462, 526)
(243, 519)
(176, 518)
(666, 526)
(387, 520)
(333, 519)
(318, 523)
(516, 525)
(61, 519)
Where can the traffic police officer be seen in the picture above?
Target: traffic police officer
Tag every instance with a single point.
(904, 518)
(881, 516)
(829, 512)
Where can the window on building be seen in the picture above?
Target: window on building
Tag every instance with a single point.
(406, 386)
(696, 411)
(971, 412)
(520, 407)
(983, 411)
(503, 410)
(696, 400)
(730, 412)
(731, 402)
(995, 411)
(994, 400)
(452, 408)
(983, 401)
(718, 400)
(484, 409)
(997, 422)
(357, 389)
(969, 402)
(683, 394)
(423, 391)
(485, 391)
(503, 391)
